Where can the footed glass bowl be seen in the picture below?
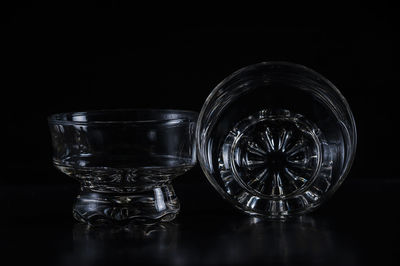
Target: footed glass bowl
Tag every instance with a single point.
(125, 161)
(276, 139)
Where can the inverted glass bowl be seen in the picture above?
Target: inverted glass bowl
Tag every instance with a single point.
(125, 161)
(276, 139)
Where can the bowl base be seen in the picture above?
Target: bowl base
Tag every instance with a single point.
(157, 204)
(275, 163)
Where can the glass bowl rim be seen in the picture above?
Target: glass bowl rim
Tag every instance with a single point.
(221, 84)
(183, 116)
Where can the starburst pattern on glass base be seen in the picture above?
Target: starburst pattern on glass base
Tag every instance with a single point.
(271, 154)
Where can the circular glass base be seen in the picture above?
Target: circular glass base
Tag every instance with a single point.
(270, 163)
(158, 203)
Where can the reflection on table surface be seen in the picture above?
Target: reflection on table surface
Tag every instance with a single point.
(357, 227)
(248, 239)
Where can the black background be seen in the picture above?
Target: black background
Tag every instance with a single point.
(103, 55)
(100, 55)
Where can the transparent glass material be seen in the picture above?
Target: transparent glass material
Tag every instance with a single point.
(276, 139)
(125, 161)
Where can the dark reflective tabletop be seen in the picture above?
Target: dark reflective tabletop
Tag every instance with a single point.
(358, 226)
